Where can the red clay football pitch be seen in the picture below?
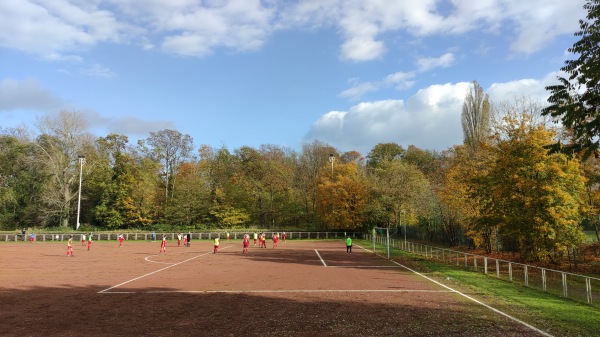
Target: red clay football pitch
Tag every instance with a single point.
(302, 288)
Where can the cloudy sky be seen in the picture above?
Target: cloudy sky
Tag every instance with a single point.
(350, 73)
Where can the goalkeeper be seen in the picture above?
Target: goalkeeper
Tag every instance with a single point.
(348, 245)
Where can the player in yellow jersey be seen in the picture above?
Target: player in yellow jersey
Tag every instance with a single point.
(70, 246)
(216, 245)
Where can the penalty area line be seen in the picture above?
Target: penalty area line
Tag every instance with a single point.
(156, 271)
(306, 291)
(319, 255)
(468, 297)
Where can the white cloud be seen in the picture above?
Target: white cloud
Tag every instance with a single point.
(97, 70)
(539, 22)
(26, 94)
(133, 127)
(50, 28)
(137, 127)
(531, 88)
(59, 29)
(362, 49)
(359, 89)
(429, 63)
(194, 28)
(399, 80)
(430, 119)
(363, 23)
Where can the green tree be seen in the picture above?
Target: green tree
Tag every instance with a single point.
(62, 139)
(396, 187)
(114, 185)
(192, 201)
(169, 148)
(576, 100)
(21, 181)
(383, 152)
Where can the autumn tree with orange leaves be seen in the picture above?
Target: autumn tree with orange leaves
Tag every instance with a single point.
(342, 196)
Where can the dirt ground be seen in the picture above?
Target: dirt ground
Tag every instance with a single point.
(303, 288)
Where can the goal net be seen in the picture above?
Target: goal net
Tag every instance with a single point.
(383, 236)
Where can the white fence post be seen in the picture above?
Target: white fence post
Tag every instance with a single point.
(588, 289)
(544, 279)
(485, 265)
(497, 268)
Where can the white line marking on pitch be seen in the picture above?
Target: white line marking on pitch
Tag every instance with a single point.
(156, 271)
(285, 291)
(468, 297)
(146, 258)
(319, 255)
(364, 266)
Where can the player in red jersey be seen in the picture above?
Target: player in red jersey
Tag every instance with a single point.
(90, 241)
(275, 240)
(246, 243)
(121, 238)
(163, 245)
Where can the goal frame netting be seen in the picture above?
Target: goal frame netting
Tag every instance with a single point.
(382, 235)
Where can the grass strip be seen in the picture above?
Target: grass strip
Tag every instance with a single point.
(555, 315)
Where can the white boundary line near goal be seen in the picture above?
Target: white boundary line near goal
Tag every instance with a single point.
(306, 291)
(156, 271)
(366, 267)
(467, 297)
(319, 255)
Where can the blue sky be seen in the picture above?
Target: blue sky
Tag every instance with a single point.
(350, 73)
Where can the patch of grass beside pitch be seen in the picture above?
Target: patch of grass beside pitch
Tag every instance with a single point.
(555, 315)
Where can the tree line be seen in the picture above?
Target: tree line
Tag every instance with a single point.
(519, 181)
(502, 188)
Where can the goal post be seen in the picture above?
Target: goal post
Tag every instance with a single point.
(384, 233)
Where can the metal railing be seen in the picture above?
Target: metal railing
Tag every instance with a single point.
(173, 235)
(578, 287)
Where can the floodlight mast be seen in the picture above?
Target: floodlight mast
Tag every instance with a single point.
(81, 162)
(331, 160)
(403, 212)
